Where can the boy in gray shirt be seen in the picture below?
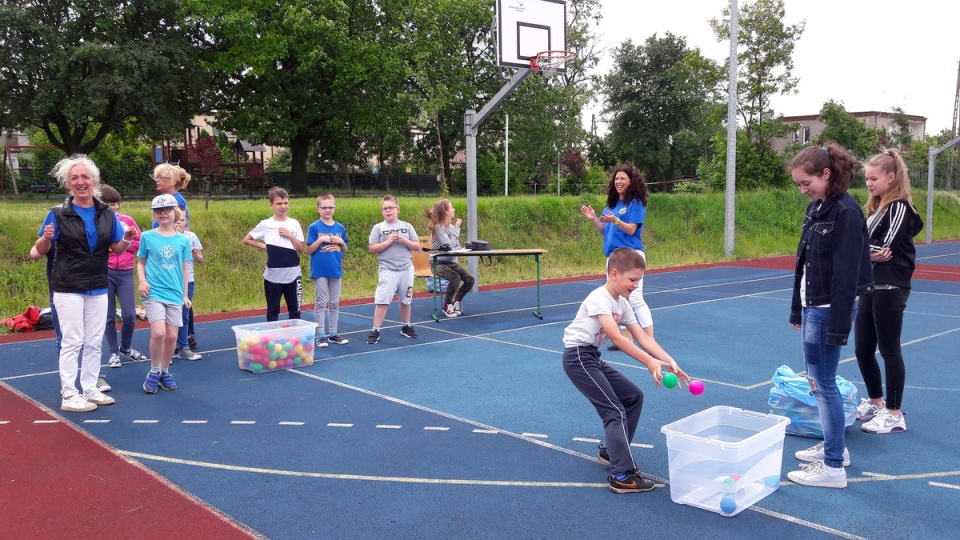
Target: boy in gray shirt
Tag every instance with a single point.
(393, 241)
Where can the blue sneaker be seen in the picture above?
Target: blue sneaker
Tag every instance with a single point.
(150, 385)
(167, 382)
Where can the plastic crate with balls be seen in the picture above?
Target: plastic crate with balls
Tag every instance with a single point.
(276, 345)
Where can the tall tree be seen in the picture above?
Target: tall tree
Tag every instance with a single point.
(307, 74)
(765, 62)
(79, 70)
(648, 100)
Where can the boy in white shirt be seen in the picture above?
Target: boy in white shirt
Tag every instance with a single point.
(282, 238)
(618, 399)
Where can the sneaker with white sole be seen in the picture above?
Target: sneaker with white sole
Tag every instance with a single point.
(457, 307)
(187, 354)
(816, 475)
(884, 422)
(321, 342)
(114, 360)
(103, 385)
(866, 409)
(135, 355)
(408, 331)
(152, 383)
(449, 311)
(374, 337)
(98, 398)
(815, 453)
(602, 455)
(166, 381)
(76, 403)
(338, 340)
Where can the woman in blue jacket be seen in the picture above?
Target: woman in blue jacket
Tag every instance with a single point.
(833, 268)
(892, 222)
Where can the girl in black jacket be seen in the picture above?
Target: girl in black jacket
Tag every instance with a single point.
(892, 222)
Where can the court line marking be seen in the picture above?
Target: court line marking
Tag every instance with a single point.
(369, 478)
(941, 484)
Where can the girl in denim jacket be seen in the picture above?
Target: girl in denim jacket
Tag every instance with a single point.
(833, 268)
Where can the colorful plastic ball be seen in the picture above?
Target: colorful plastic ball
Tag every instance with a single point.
(282, 355)
(669, 380)
(276, 347)
(294, 341)
(772, 481)
(728, 504)
(258, 329)
(242, 346)
(729, 485)
(735, 476)
(272, 364)
(286, 325)
(299, 349)
(308, 347)
(297, 361)
(696, 388)
(287, 346)
(273, 356)
(257, 368)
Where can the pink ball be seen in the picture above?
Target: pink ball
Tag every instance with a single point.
(696, 388)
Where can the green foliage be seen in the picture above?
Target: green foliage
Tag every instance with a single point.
(81, 73)
(756, 167)
(847, 131)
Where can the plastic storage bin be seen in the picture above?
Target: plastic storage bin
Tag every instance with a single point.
(276, 345)
(725, 459)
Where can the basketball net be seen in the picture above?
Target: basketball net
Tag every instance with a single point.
(551, 63)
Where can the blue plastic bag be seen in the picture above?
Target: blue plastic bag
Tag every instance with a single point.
(431, 283)
(791, 397)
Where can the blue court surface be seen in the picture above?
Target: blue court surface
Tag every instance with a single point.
(472, 430)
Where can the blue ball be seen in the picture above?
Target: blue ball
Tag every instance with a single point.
(728, 504)
(772, 481)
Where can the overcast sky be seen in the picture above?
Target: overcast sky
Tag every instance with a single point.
(872, 55)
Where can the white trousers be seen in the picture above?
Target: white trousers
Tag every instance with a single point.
(82, 323)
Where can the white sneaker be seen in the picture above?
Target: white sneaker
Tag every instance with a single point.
(103, 385)
(457, 307)
(884, 422)
(866, 409)
(135, 355)
(449, 310)
(816, 475)
(815, 453)
(114, 360)
(76, 403)
(99, 398)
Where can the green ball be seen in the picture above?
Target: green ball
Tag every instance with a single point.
(669, 380)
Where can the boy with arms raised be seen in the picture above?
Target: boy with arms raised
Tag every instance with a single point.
(618, 399)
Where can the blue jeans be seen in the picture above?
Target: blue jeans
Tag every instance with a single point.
(187, 318)
(821, 361)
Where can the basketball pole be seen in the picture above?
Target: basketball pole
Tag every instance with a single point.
(472, 120)
(730, 220)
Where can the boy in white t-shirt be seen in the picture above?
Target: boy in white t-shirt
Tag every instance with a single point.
(282, 238)
(393, 241)
(618, 399)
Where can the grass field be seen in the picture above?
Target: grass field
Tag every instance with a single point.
(680, 229)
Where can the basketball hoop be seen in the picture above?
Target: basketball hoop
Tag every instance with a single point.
(551, 63)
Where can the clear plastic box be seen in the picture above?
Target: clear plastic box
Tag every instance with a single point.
(276, 345)
(725, 459)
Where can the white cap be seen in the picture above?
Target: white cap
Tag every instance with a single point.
(163, 201)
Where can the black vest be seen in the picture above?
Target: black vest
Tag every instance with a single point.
(75, 269)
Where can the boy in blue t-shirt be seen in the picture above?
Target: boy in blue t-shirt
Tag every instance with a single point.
(326, 244)
(162, 272)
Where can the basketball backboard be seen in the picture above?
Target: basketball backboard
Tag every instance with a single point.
(528, 27)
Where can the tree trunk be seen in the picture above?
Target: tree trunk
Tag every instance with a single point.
(299, 149)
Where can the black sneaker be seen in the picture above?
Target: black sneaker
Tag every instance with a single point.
(408, 331)
(635, 483)
(603, 456)
(338, 340)
(321, 342)
(613, 348)
(192, 341)
(373, 337)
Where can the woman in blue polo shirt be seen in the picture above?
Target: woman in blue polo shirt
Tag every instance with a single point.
(621, 224)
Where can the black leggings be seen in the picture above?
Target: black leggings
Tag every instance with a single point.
(879, 322)
(455, 274)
